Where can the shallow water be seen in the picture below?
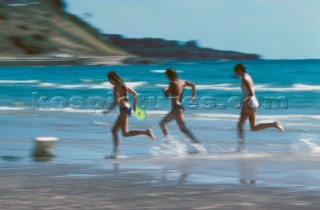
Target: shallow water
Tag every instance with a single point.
(271, 157)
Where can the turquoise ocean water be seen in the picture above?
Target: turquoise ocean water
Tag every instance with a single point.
(66, 102)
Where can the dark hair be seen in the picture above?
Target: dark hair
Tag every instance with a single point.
(240, 67)
(118, 82)
(172, 74)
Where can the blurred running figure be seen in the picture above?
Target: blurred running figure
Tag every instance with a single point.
(250, 106)
(121, 99)
(175, 90)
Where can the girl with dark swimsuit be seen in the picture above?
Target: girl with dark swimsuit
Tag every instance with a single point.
(121, 99)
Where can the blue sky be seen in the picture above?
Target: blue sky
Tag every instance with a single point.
(274, 29)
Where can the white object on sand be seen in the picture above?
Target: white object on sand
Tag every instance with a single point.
(43, 146)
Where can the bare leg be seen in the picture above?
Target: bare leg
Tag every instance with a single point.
(261, 126)
(183, 128)
(169, 117)
(116, 137)
(243, 118)
(126, 133)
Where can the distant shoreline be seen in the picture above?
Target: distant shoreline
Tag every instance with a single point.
(90, 61)
(55, 61)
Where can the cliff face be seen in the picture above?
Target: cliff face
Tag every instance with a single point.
(42, 27)
(175, 50)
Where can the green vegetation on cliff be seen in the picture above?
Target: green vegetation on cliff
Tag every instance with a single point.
(43, 28)
(175, 50)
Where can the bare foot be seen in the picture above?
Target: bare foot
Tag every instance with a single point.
(240, 141)
(197, 141)
(150, 134)
(166, 140)
(113, 156)
(240, 145)
(280, 127)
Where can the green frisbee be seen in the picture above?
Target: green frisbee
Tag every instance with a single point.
(140, 113)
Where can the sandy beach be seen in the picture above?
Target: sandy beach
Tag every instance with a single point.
(59, 101)
(276, 170)
(153, 184)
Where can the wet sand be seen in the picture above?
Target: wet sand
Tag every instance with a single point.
(120, 185)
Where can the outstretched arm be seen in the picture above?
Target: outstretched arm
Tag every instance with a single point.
(135, 96)
(114, 104)
(193, 86)
(249, 85)
(167, 91)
